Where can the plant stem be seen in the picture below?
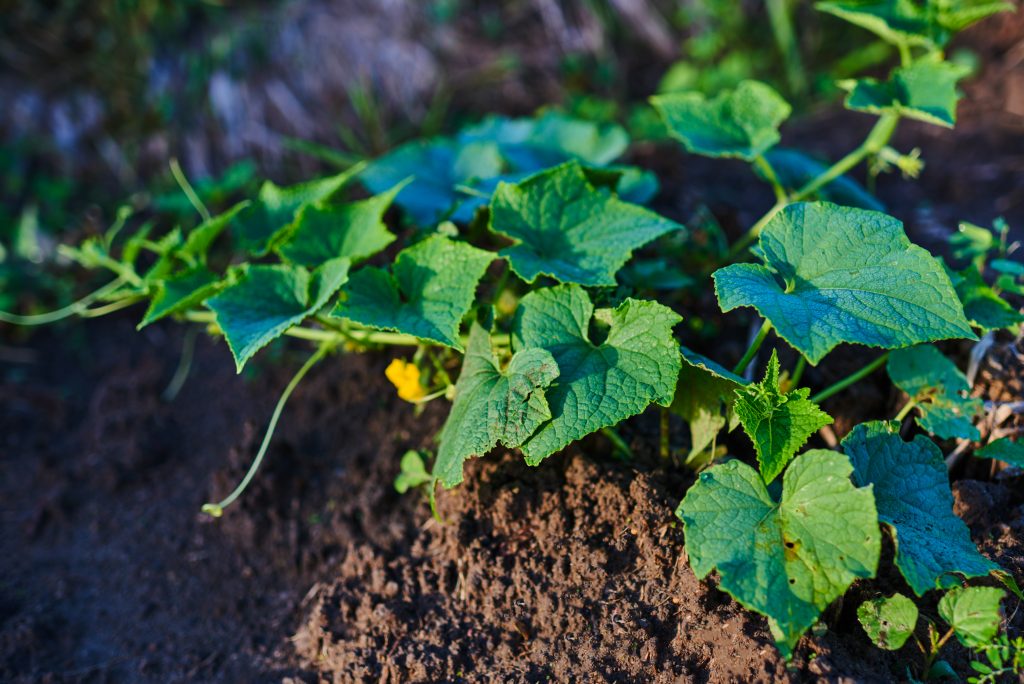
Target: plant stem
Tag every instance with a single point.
(620, 444)
(186, 187)
(769, 174)
(850, 379)
(877, 138)
(798, 371)
(111, 307)
(217, 509)
(754, 346)
(907, 408)
(65, 312)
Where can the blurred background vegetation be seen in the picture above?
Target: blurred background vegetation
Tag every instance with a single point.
(100, 95)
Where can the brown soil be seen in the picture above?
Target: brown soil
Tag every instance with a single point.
(573, 570)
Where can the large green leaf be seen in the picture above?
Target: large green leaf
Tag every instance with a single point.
(262, 224)
(785, 558)
(889, 622)
(925, 91)
(355, 230)
(836, 274)
(914, 501)
(550, 139)
(705, 399)
(973, 613)
(1005, 450)
(600, 384)
(427, 292)
(740, 123)
(437, 167)
(455, 176)
(894, 21)
(777, 422)
(564, 227)
(909, 22)
(493, 405)
(938, 386)
(180, 292)
(270, 299)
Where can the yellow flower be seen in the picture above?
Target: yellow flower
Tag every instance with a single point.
(405, 377)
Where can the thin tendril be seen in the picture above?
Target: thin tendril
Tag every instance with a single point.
(217, 509)
(190, 193)
(188, 348)
(71, 309)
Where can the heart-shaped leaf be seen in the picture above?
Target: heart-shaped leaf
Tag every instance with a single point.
(939, 388)
(599, 384)
(566, 228)
(493, 405)
(914, 501)
(426, 293)
(740, 123)
(786, 558)
(925, 91)
(836, 274)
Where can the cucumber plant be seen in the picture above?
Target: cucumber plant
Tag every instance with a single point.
(516, 235)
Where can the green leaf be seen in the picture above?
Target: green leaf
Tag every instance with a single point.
(740, 123)
(413, 472)
(261, 225)
(925, 91)
(787, 559)
(938, 386)
(496, 149)
(777, 422)
(492, 405)
(198, 241)
(889, 622)
(534, 144)
(795, 169)
(600, 384)
(1005, 450)
(836, 274)
(982, 306)
(705, 398)
(915, 502)
(894, 21)
(564, 227)
(355, 230)
(436, 167)
(973, 613)
(428, 291)
(182, 292)
(269, 300)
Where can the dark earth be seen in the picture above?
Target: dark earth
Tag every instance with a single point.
(572, 571)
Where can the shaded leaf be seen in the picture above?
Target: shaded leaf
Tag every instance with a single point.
(1005, 450)
(939, 387)
(182, 292)
(982, 306)
(795, 169)
(705, 397)
(915, 502)
(262, 224)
